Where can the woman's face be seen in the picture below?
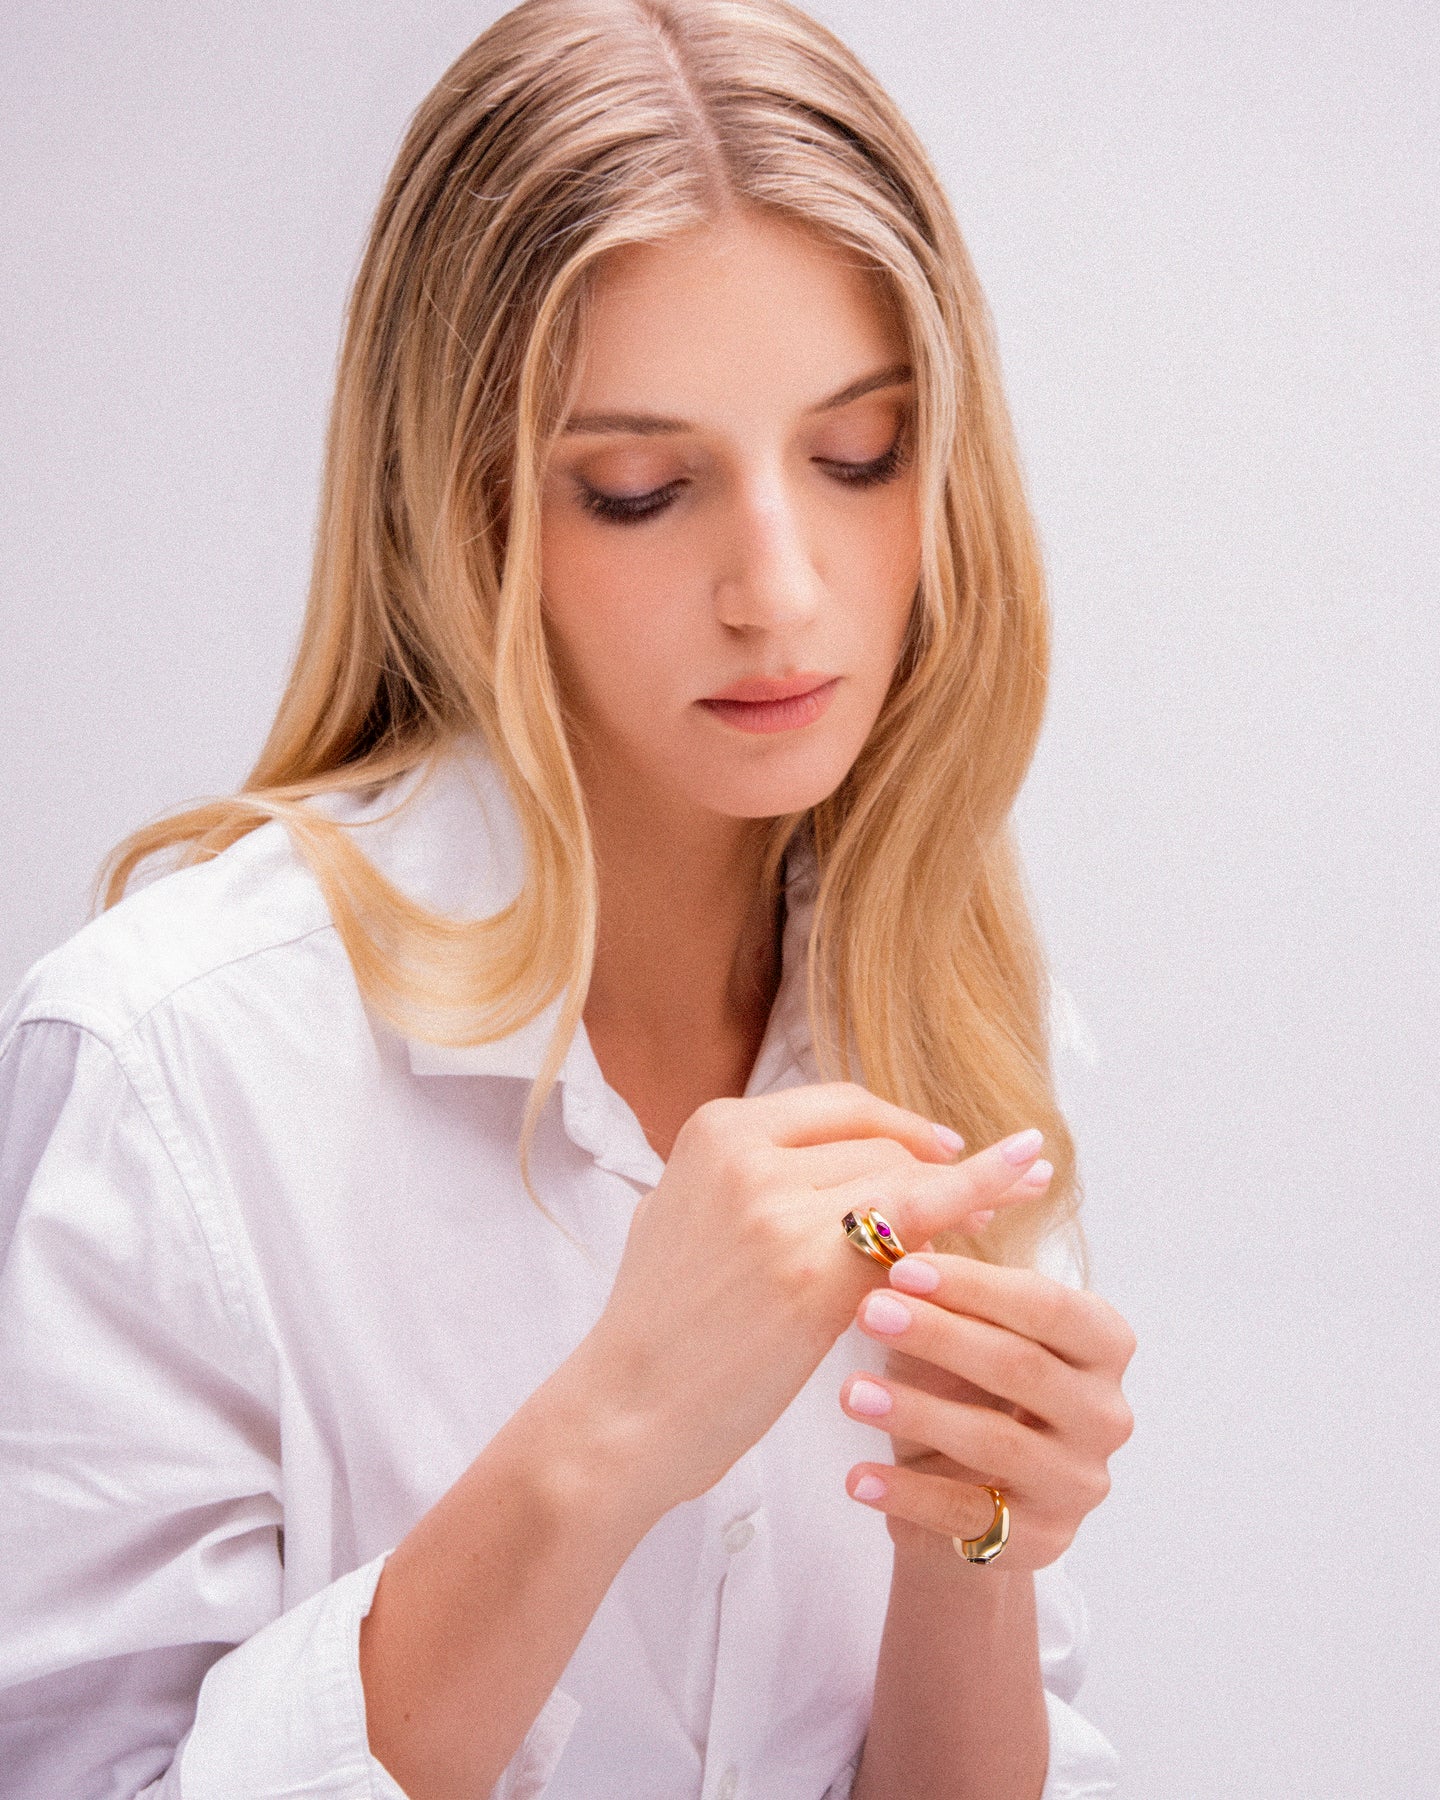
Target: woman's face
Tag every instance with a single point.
(730, 539)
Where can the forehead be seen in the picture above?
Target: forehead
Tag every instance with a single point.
(750, 305)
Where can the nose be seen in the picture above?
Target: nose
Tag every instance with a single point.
(768, 581)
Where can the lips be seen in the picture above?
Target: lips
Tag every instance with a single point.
(759, 688)
(766, 703)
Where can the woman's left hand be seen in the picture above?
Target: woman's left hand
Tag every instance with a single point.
(997, 1376)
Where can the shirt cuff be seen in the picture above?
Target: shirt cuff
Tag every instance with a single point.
(839, 1788)
(300, 1675)
(1082, 1763)
(528, 1773)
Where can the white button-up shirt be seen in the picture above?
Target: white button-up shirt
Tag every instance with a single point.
(271, 1280)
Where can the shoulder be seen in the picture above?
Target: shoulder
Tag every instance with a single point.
(254, 899)
(243, 923)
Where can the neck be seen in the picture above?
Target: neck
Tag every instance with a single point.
(687, 955)
(688, 944)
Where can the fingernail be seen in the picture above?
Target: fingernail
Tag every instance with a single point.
(1022, 1147)
(913, 1275)
(983, 1218)
(1038, 1174)
(883, 1312)
(869, 1398)
(949, 1140)
(868, 1487)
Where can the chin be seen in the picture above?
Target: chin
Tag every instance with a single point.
(791, 784)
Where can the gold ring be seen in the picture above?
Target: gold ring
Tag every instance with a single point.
(986, 1547)
(874, 1236)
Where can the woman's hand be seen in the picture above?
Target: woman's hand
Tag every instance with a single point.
(996, 1376)
(737, 1278)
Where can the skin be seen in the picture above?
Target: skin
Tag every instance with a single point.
(770, 558)
(766, 557)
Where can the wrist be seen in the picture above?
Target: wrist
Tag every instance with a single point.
(928, 1560)
(592, 1459)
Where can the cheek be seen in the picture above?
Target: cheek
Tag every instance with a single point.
(881, 573)
(612, 606)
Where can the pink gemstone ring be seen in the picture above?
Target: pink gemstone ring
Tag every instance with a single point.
(873, 1236)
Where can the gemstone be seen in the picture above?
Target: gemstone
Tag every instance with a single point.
(882, 1228)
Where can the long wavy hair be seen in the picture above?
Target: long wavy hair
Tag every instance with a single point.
(569, 129)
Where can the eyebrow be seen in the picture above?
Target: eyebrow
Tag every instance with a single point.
(649, 424)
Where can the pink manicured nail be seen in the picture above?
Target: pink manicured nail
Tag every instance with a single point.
(869, 1398)
(913, 1275)
(869, 1487)
(1038, 1174)
(1022, 1147)
(949, 1140)
(883, 1312)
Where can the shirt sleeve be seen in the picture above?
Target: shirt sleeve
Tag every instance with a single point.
(1082, 1762)
(839, 1788)
(144, 1645)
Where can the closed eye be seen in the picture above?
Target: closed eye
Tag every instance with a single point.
(628, 509)
(870, 474)
(634, 509)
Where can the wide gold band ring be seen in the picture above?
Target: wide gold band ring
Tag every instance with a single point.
(874, 1236)
(986, 1547)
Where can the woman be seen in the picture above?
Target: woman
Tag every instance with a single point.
(435, 1362)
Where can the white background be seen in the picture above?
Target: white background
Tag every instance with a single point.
(1209, 236)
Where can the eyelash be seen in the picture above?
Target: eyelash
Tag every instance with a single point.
(627, 509)
(632, 509)
(878, 470)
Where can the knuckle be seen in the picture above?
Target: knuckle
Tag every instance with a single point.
(1125, 1340)
(709, 1126)
(1121, 1421)
(1111, 1328)
(1096, 1487)
(748, 1167)
(1050, 1542)
(804, 1272)
(767, 1228)
(735, 1159)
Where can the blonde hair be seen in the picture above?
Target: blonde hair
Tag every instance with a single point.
(568, 129)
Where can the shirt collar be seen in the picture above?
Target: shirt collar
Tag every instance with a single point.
(448, 835)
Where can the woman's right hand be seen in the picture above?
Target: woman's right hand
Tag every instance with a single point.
(736, 1277)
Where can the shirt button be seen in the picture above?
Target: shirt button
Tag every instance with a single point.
(737, 1536)
(728, 1783)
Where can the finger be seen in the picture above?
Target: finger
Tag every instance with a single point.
(921, 1202)
(827, 1111)
(1085, 1406)
(937, 1502)
(829, 1165)
(1003, 1363)
(1013, 1456)
(1076, 1325)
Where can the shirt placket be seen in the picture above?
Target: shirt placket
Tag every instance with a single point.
(745, 1670)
